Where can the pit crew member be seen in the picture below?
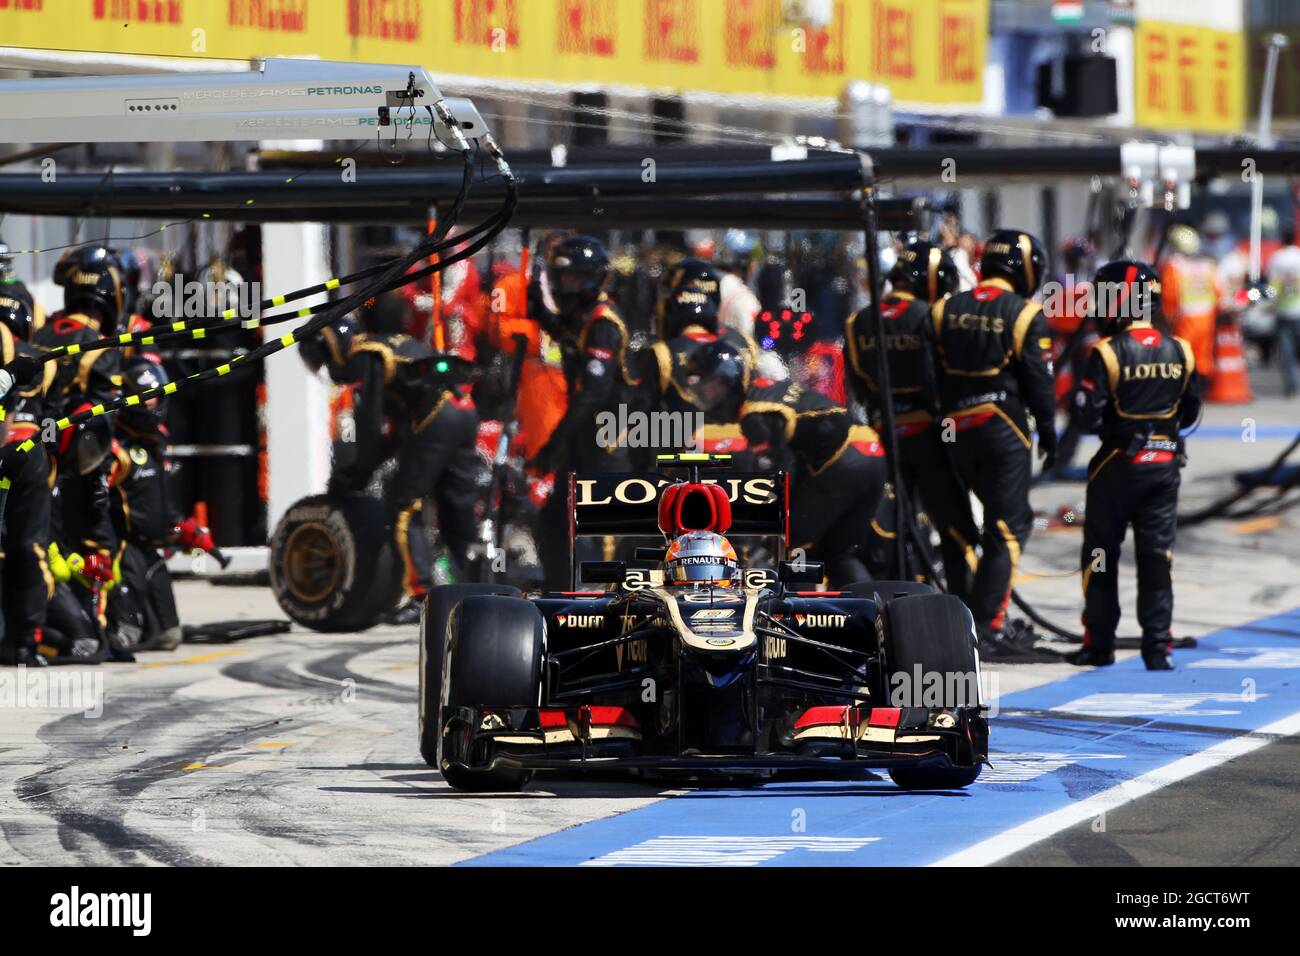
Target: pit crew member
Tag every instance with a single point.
(924, 274)
(837, 467)
(594, 344)
(1140, 388)
(994, 355)
(433, 429)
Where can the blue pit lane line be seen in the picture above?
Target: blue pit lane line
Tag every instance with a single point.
(1224, 432)
(1054, 746)
(1234, 432)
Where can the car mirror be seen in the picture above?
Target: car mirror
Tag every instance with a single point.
(602, 572)
(801, 572)
(650, 554)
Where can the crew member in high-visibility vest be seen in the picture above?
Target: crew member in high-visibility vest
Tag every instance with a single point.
(1284, 277)
(1191, 290)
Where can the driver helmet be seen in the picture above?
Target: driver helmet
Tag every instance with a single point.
(701, 557)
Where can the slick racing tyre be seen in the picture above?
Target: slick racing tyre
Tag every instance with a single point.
(887, 589)
(929, 634)
(438, 606)
(333, 563)
(495, 647)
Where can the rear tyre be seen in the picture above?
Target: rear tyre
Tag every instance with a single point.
(333, 565)
(438, 605)
(925, 635)
(495, 648)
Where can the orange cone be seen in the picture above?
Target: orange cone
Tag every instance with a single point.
(1229, 383)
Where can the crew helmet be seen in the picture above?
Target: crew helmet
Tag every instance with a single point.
(693, 297)
(925, 270)
(1015, 256)
(577, 269)
(1126, 291)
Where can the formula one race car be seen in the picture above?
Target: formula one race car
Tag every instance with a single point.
(690, 664)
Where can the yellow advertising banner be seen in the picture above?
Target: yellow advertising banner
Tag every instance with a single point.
(926, 51)
(1190, 78)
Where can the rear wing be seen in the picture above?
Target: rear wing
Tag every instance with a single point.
(627, 505)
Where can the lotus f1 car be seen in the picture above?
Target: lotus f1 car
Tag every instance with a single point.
(691, 664)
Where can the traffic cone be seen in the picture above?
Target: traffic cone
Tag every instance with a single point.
(1229, 383)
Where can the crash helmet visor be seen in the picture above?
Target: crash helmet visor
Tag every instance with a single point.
(700, 570)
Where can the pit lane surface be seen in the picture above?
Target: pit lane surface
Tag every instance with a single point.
(301, 748)
(1066, 753)
(284, 750)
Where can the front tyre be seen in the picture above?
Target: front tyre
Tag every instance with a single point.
(495, 649)
(928, 641)
(436, 613)
(935, 778)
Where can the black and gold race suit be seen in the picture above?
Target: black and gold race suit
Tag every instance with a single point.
(1139, 389)
(909, 350)
(142, 608)
(995, 369)
(144, 509)
(925, 462)
(80, 516)
(94, 376)
(431, 429)
(837, 471)
(595, 360)
(594, 350)
(663, 371)
(25, 582)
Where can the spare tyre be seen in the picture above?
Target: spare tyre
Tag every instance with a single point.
(333, 563)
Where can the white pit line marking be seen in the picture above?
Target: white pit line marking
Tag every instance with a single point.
(723, 850)
(1026, 834)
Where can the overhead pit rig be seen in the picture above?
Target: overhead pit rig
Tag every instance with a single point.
(283, 99)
